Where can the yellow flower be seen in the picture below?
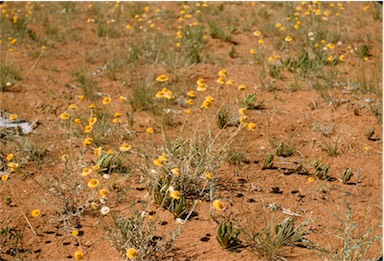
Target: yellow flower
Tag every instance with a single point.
(103, 192)
(207, 102)
(189, 101)
(116, 120)
(201, 88)
(256, 33)
(330, 58)
(96, 167)
(64, 116)
(288, 38)
(252, 51)
(230, 82)
(176, 171)
(220, 80)
(87, 141)
(159, 95)
(366, 7)
(208, 176)
(64, 157)
(122, 98)
(158, 163)
(36, 213)
(72, 106)
(242, 118)
(110, 152)
(223, 73)
(117, 114)
(260, 41)
(106, 100)
(132, 253)
(4, 177)
(125, 147)
(296, 26)
(278, 25)
(241, 87)
(149, 130)
(271, 58)
(282, 29)
(323, 41)
(191, 94)
(92, 106)
(93, 183)
(77, 120)
(242, 111)
(175, 194)
(163, 157)
(201, 82)
(251, 126)
(86, 172)
(310, 179)
(88, 128)
(342, 57)
(75, 233)
(92, 120)
(366, 148)
(330, 46)
(217, 204)
(162, 78)
(187, 111)
(97, 151)
(13, 166)
(10, 157)
(178, 45)
(78, 255)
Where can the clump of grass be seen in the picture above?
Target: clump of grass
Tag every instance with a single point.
(321, 171)
(268, 162)
(270, 241)
(346, 175)
(282, 149)
(331, 149)
(250, 102)
(87, 85)
(138, 232)
(354, 246)
(8, 77)
(11, 241)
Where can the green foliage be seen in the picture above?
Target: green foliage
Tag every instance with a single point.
(268, 162)
(250, 102)
(321, 171)
(228, 236)
(346, 175)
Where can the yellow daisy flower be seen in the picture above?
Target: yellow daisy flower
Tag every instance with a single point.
(78, 255)
(132, 253)
(93, 183)
(36, 213)
(106, 100)
(162, 78)
(125, 147)
(175, 194)
(65, 116)
(217, 204)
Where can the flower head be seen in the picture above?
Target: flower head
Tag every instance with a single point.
(88, 128)
(92, 120)
(149, 130)
(106, 100)
(217, 204)
(223, 73)
(208, 175)
(86, 172)
(241, 87)
(191, 94)
(10, 157)
(125, 147)
(175, 194)
(132, 253)
(251, 126)
(93, 183)
(162, 78)
(176, 171)
(288, 38)
(105, 210)
(65, 116)
(36, 213)
(103, 192)
(78, 255)
(87, 141)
